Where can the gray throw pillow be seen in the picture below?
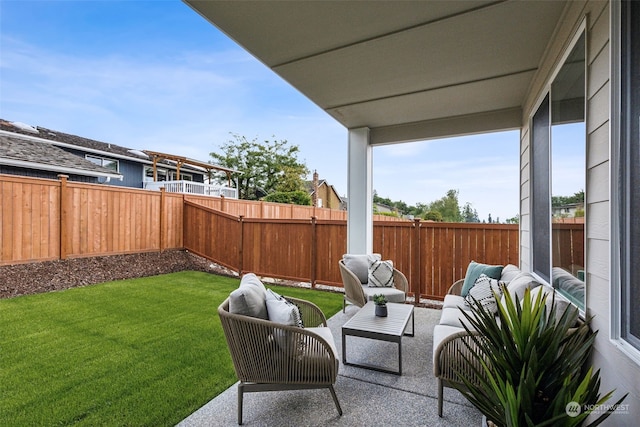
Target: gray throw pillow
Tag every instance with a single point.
(358, 264)
(250, 298)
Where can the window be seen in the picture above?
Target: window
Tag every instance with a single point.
(104, 162)
(558, 165)
(183, 176)
(628, 181)
(148, 174)
(540, 198)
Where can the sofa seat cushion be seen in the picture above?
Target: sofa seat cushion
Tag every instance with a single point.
(440, 333)
(453, 317)
(454, 301)
(325, 333)
(392, 294)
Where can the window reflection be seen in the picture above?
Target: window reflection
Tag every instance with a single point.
(568, 163)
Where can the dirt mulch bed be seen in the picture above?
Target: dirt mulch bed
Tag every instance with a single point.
(33, 278)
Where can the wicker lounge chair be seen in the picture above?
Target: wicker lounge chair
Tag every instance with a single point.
(358, 293)
(307, 360)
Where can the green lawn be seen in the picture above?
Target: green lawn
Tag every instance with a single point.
(141, 352)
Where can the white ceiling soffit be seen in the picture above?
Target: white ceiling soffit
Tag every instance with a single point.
(408, 70)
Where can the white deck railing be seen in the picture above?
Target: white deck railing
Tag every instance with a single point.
(190, 187)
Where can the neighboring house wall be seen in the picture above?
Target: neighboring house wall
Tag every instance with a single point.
(35, 173)
(618, 371)
(329, 197)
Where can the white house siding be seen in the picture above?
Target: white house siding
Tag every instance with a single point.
(617, 370)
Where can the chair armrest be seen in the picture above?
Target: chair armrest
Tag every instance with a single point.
(352, 287)
(448, 357)
(312, 316)
(400, 281)
(456, 288)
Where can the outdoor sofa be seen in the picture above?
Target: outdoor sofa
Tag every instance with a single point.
(450, 338)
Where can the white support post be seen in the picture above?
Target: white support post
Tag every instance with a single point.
(360, 193)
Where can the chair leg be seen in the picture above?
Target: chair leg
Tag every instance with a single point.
(335, 399)
(240, 394)
(344, 304)
(439, 397)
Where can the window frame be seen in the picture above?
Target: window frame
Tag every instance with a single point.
(620, 214)
(91, 158)
(545, 277)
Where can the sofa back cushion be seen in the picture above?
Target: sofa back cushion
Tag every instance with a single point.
(509, 272)
(359, 265)
(475, 270)
(520, 283)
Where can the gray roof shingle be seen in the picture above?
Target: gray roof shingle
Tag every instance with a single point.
(48, 156)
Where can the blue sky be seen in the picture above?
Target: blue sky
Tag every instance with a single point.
(155, 75)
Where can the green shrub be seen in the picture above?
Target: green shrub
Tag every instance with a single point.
(292, 197)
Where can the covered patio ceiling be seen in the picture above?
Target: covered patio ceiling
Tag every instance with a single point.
(408, 70)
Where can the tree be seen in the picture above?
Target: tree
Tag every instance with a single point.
(262, 167)
(469, 214)
(291, 197)
(448, 206)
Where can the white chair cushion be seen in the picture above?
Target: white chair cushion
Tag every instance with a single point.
(325, 333)
(391, 294)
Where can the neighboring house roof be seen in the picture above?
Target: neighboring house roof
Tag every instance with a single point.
(39, 133)
(18, 152)
(308, 185)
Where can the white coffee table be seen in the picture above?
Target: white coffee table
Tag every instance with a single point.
(366, 324)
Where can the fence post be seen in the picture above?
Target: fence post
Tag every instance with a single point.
(415, 267)
(163, 228)
(64, 216)
(314, 251)
(222, 202)
(241, 246)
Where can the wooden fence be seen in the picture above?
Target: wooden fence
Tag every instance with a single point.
(432, 255)
(261, 209)
(43, 219)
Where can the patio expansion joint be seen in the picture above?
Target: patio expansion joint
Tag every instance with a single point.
(404, 390)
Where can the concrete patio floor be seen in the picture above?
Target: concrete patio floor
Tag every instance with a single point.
(367, 397)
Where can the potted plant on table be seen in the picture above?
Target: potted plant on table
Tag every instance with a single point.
(534, 365)
(381, 305)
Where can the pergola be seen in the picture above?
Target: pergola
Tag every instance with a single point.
(180, 161)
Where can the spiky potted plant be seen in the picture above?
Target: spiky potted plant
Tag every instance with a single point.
(381, 305)
(534, 365)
